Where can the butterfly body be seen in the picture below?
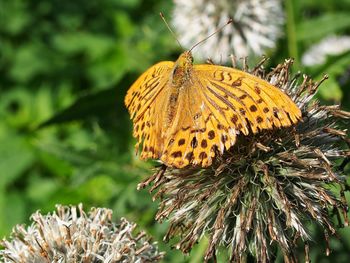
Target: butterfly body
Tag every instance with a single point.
(180, 80)
(185, 114)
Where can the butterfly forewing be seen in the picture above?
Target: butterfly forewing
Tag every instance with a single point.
(141, 102)
(263, 105)
(146, 88)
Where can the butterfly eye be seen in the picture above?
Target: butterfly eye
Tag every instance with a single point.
(189, 57)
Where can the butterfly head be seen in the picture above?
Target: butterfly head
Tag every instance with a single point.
(185, 60)
(182, 68)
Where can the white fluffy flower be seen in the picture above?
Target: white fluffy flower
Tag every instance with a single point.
(329, 46)
(256, 26)
(71, 235)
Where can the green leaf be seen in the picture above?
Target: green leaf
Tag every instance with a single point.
(99, 189)
(15, 24)
(337, 65)
(126, 3)
(98, 103)
(16, 107)
(93, 45)
(57, 166)
(316, 28)
(39, 188)
(123, 24)
(334, 68)
(16, 156)
(108, 70)
(29, 62)
(331, 90)
(12, 210)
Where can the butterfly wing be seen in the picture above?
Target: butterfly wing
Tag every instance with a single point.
(141, 101)
(220, 103)
(146, 88)
(262, 105)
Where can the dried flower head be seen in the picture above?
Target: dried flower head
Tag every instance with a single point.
(329, 46)
(263, 193)
(70, 235)
(257, 24)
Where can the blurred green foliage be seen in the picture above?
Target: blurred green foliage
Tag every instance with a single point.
(65, 66)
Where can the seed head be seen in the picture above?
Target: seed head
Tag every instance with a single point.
(263, 193)
(71, 235)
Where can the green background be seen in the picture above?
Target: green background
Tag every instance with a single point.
(65, 135)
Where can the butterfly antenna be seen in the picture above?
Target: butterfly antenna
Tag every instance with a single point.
(212, 34)
(171, 31)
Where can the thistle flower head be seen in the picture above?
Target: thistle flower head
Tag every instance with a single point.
(256, 26)
(263, 193)
(329, 46)
(71, 235)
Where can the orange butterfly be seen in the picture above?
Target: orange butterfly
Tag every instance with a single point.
(184, 114)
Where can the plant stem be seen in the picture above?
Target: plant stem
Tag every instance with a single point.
(291, 33)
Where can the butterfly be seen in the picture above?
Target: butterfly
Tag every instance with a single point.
(186, 114)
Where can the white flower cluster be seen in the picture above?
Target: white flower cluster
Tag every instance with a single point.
(256, 26)
(329, 46)
(70, 235)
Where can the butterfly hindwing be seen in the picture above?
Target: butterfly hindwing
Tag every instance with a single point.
(199, 130)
